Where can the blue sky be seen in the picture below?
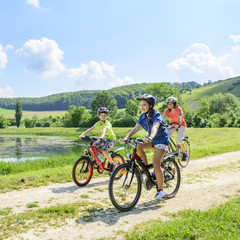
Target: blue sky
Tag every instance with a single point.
(55, 46)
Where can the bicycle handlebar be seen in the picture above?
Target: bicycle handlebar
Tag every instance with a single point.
(138, 140)
(171, 125)
(87, 138)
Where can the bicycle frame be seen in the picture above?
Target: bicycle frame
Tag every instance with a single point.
(93, 151)
(140, 162)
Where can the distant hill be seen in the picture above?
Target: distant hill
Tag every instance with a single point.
(61, 101)
(231, 85)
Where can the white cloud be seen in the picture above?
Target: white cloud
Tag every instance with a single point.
(9, 46)
(199, 64)
(7, 92)
(42, 57)
(235, 38)
(35, 3)
(91, 71)
(3, 58)
(121, 82)
(101, 72)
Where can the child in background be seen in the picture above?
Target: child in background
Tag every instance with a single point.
(176, 115)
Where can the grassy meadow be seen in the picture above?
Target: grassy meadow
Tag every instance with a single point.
(220, 222)
(23, 174)
(29, 114)
(226, 86)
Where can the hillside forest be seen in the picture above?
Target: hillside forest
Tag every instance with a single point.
(211, 105)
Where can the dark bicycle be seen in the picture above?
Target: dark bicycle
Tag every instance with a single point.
(125, 191)
(177, 151)
(83, 168)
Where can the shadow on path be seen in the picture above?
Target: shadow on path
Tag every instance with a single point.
(111, 216)
(72, 189)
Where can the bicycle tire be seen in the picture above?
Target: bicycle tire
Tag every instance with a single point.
(172, 177)
(82, 171)
(180, 154)
(125, 192)
(118, 159)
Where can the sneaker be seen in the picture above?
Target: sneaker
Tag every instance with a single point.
(160, 194)
(184, 157)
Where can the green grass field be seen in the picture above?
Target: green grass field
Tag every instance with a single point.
(29, 114)
(203, 142)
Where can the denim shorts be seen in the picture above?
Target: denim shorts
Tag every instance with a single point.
(107, 144)
(163, 147)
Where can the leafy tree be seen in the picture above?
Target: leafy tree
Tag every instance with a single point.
(3, 122)
(128, 121)
(221, 103)
(132, 107)
(218, 120)
(77, 115)
(104, 99)
(231, 119)
(197, 120)
(161, 91)
(28, 123)
(18, 113)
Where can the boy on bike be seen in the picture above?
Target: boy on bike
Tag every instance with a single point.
(105, 128)
(157, 139)
(176, 115)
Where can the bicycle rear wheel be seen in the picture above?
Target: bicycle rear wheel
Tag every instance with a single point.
(172, 177)
(125, 192)
(118, 159)
(82, 171)
(180, 154)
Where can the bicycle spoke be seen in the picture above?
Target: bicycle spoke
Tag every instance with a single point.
(82, 172)
(184, 163)
(171, 177)
(125, 191)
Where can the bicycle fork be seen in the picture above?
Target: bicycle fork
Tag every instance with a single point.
(124, 185)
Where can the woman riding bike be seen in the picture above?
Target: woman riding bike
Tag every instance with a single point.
(176, 115)
(157, 139)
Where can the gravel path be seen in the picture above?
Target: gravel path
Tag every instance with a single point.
(205, 183)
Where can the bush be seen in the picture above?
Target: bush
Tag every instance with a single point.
(128, 121)
(3, 122)
(46, 124)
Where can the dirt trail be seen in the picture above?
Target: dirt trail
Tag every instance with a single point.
(206, 183)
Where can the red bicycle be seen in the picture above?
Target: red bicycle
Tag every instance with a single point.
(83, 168)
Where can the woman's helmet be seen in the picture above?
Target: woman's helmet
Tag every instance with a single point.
(102, 110)
(149, 98)
(171, 99)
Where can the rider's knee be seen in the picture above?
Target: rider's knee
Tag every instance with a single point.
(140, 147)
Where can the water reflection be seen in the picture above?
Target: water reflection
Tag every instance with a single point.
(18, 148)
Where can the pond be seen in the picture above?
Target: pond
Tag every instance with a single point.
(22, 147)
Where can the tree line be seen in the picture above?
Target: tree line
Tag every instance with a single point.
(218, 110)
(62, 101)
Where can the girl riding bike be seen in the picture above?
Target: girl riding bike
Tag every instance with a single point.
(176, 115)
(157, 139)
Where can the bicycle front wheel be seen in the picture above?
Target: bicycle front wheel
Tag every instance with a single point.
(118, 159)
(184, 163)
(82, 171)
(172, 177)
(125, 192)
